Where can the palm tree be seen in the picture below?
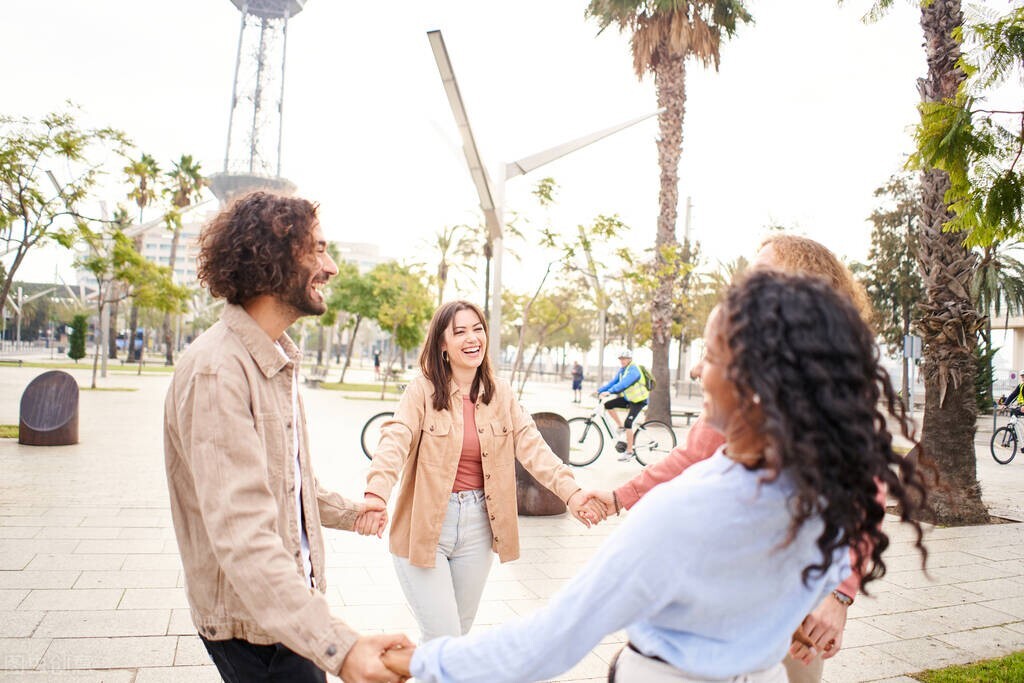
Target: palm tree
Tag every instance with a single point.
(187, 183)
(142, 174)
(664, 34)
(455, 252)
(949, 321)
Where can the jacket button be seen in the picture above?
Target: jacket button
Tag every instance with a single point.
(504, 429)
(431, 427)
(488, 496)
(481, 430)
(288, 424)
(484, 455)
(492, 517)
(213, 631)
(487, 476)
(298, 553)
(331, 650)
(496, 539)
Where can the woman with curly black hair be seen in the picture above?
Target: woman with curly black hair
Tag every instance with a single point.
(712, 571)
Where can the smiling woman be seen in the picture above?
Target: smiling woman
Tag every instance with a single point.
(454, 439)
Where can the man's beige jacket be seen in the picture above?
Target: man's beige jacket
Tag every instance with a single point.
(423, 444)
(229, 451)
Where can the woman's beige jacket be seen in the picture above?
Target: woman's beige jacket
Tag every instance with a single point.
(423, 445)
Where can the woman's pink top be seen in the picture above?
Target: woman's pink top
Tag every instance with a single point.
(470, 474)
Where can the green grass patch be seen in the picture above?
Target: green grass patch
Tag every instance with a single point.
(348, 386)
(8, 431)
(1009, 668)
(108, 389)
(112, 366)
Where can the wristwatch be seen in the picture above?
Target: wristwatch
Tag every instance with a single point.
(843, 599)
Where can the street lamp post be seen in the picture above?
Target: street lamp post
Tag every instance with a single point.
(492, 194)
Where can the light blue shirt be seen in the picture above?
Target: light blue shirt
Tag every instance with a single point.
(624, 378)
(696, 574)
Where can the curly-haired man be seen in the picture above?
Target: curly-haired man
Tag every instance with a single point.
(247, 508)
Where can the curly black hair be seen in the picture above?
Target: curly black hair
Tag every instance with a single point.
(256, 246)
(809, 381)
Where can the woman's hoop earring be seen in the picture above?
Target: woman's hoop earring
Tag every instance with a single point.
(444, 356)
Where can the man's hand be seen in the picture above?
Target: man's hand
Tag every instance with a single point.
(398, 659)
(363, 663)
(823, 629)
(586, 513)
(606, 499)
(374, 517)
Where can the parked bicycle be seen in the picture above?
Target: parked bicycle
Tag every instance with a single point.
(370, 436)
(652, 440)
(1005, 440)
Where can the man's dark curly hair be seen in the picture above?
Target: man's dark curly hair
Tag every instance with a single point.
(806, 369)
(255, 246)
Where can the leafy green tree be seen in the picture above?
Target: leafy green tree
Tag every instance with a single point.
(404, 308)
(112, 259)
(76, 342)
(48, 167)
(143, 174)
(892, 278)
(664, 33)
(980, 147)
(352, 293)
(186, 186)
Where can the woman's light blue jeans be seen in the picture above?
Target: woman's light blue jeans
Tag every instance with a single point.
(445, 598)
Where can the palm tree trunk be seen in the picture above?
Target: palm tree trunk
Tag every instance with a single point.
(949, 321)
(670, 84)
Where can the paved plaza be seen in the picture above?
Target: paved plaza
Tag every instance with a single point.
(91, 583)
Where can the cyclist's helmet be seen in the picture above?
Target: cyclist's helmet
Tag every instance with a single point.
(625, 353)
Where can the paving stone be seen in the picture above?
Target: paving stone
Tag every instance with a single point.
(18, 531)
(152, 562)
(179, 674)
(109, 653)
(986, 643)
(76, 676)
(21, 653)
(11, 598)
(191, 652)
(79, 532)
(18, 623)
(858, 664)
(154, 598)
(71, 561)
(181, 623)
(128, 579)
(107, 598)
(38, 579)
(103, 623)
(120, 546)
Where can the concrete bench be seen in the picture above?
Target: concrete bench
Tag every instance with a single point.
(11, 361)
(49, 411)
(316, 376)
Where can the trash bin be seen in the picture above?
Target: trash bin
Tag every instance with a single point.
(532, 497)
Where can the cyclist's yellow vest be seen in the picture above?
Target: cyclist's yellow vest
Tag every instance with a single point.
(637, 391)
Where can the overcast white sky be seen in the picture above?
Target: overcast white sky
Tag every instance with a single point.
(810, 112)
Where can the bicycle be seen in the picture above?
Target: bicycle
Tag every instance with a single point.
(370, 436)
(652, 440)
(1005, 440)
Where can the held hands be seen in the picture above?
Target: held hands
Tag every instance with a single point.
(583, 508)
(398, 659)
(604, 499)
(364, 663)
(821, 632)
(374, 517)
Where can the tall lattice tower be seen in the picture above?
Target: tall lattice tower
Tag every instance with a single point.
(252, 159)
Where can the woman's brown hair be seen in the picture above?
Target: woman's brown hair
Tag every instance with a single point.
(437, 370)
(256, 246)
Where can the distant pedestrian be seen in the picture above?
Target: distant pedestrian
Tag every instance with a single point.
(376, 363)
(577, 382)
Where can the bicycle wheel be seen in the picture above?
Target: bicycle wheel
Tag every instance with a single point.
(371, 433)
(1004, 445)
(653, 441)
(585, 441)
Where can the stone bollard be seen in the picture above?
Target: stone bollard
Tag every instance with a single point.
(531, 496)
(49, 411)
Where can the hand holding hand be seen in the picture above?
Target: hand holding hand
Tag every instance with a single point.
(802, 649)
(606, 499)
(363, 663)
(398, 660)
(587, 514)
(374, 517)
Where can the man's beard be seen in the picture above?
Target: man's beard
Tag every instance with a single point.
(300, 298)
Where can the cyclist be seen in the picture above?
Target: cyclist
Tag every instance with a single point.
(632, 392)
(1014, 401)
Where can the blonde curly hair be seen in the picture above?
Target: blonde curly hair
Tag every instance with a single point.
(800, 255)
